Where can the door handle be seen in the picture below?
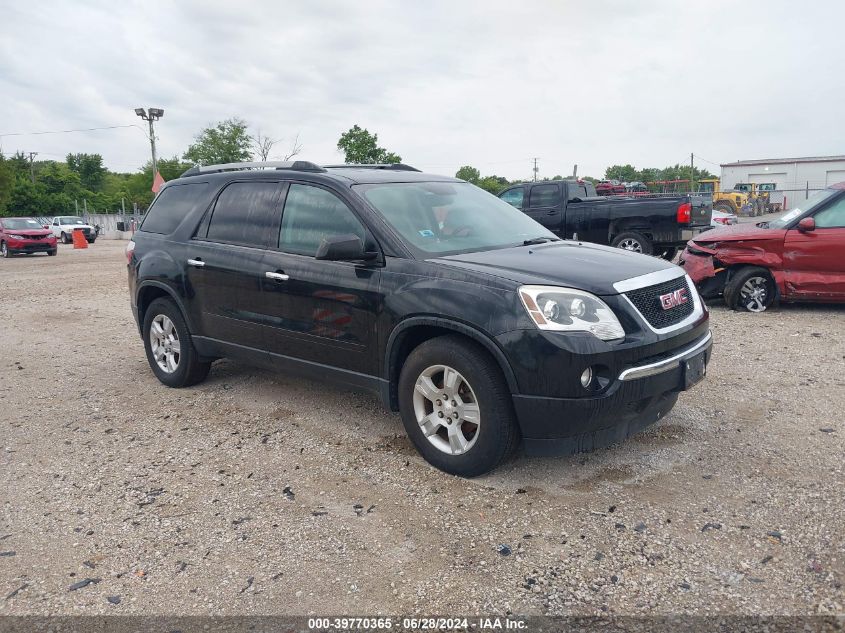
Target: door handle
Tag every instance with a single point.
(276, 276)
(196, 263)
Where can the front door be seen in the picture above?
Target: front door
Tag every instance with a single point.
(544, 205)
(315, 310)
(814, 264)
(225, 261)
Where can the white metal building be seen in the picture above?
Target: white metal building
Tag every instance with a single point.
(794, 178)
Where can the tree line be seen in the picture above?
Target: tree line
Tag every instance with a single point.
(47, 187)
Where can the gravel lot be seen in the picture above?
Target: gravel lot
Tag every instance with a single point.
(268, 494)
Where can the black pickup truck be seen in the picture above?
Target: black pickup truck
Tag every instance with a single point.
(653, 225)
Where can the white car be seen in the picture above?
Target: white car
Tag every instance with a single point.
(63, 227)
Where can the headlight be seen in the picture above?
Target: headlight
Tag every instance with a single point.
(16, 237)
(566, 309)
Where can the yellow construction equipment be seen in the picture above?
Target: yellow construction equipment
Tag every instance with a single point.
(736, 202)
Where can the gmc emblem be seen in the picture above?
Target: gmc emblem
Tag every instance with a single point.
(674, 299)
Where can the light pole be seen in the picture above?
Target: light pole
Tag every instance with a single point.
(151, 115)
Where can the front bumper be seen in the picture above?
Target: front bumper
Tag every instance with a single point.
(31, 246)
(641, 394)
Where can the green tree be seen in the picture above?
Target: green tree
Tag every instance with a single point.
(625, 173)
(361, 147)
(7, 182)
(226, 142)
(468, 173)
(90, 168)
(493, 184)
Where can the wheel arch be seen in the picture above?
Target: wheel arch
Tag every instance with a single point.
(149, 291)
(411, 332)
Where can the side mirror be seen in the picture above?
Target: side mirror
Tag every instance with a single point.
(346, 247)
(807, 224)
(46, 226)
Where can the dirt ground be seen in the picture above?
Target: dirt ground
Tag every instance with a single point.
(262, 493)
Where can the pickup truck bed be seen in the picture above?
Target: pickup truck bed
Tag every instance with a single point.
(649, 224)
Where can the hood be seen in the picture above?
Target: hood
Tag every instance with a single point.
(736, 233)
(44, 232)
(583, 266)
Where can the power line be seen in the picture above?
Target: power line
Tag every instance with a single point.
(89, 129)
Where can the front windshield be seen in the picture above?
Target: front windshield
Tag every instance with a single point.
(71, 221)
(446, 218)
(21, 224)
(782, 221)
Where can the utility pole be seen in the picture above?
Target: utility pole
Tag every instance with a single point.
(535, 169)
(32, 167)
(691, 173)
(151, 115)
(575, 171)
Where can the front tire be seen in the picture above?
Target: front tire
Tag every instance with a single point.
(170, 350)
(65, 239)
(456, 407)
(52, 253)
(4, 250)
(752, 289)
(634, 242)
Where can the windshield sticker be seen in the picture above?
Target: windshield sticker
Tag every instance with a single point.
(426, 233)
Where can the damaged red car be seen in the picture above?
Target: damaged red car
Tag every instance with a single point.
(799, 256)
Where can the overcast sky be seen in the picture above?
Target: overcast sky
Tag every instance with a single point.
(444, 84)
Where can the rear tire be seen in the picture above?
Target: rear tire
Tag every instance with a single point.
(170, 350)
(752, 289)
(634, 242)
(478, 432)
(725, 207)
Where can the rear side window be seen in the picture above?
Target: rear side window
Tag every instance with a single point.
(577, 191)
(310, 215)
(171, 206)
(244, 214)
(544, 196)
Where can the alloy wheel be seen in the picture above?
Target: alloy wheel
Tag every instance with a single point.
(630, 244)
(164, 343)
(447, 409)
(754, 293)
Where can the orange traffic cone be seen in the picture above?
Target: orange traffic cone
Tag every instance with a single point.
(79, 240)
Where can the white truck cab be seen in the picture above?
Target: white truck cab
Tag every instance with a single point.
(63, 227)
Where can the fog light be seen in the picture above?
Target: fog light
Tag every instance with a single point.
(587, 377)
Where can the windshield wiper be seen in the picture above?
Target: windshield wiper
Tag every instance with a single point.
(540, 240)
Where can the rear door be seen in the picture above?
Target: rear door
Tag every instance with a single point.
(225, 261)
(545, 204)
(814, 264)
(315, 310)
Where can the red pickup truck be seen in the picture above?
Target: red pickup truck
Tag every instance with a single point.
(795, 257)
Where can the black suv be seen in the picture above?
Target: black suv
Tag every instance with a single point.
(476, 323)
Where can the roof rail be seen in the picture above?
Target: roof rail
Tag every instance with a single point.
(394, 166)
(295, 165)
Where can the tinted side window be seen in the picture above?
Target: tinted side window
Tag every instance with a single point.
(577, 191)
(171, 207)
(311, 214)
(544, 196)
(514, 197)
(244, 213)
